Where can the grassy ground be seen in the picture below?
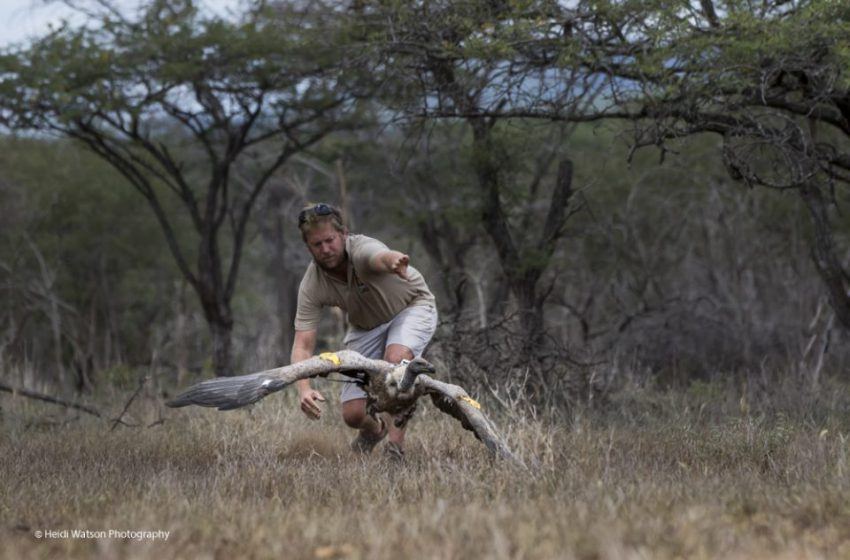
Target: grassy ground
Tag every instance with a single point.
(698, 474)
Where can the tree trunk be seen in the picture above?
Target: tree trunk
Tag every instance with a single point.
(216, 306)
(286, 285)
(496, 298)
(284, 282)
(530, 315)
(221, 337)
(523, 258)
(214, 295)
(824, 255)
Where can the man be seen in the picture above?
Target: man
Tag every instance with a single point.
(391, 313)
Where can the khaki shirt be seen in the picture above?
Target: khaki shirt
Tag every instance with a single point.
(370, 298)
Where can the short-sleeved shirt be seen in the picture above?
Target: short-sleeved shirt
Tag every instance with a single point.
(370, 298)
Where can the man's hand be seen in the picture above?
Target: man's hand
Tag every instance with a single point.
(309, 405)
(397, 263)
(392, 262)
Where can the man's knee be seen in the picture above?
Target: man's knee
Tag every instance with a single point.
(397, 352)
(354, 412)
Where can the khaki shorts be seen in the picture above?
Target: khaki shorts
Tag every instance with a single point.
(412, 327)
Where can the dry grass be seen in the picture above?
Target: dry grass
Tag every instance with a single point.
(654, 475)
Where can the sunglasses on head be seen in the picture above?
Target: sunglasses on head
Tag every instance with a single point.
(321, 209)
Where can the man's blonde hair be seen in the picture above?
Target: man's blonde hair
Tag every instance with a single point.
(309, 219)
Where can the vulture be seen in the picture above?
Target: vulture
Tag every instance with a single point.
(392, 388)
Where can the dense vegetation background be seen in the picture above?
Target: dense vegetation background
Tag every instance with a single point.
(666, 269)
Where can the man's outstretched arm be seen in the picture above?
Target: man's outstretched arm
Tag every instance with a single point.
(390, 261)
(302, 348)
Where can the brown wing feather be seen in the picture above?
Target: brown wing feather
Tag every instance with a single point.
(227, 393)
(454, 401)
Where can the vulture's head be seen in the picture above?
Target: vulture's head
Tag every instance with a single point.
(412, 370)
(401, 380)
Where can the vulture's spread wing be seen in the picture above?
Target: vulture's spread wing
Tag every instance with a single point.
(227, 393)
(453, 400)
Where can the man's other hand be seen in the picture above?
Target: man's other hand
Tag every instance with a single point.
(309, 404)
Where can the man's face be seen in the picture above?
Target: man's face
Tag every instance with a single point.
(327, 245)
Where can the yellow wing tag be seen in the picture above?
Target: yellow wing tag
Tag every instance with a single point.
(330, 357)
(471, 401)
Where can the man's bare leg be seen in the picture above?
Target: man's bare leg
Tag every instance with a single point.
(395, 353)
(354, 414)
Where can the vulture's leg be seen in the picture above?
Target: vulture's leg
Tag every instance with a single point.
(402, 418)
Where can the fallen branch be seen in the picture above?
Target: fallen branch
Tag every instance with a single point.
(129, 402)
(53, 400)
